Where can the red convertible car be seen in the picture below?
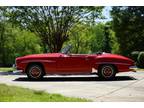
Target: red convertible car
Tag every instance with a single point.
(106, 65)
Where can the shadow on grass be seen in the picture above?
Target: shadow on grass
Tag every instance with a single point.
(75, 79)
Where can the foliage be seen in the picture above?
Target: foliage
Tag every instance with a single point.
(2, 43)
(17, 94)
(86, 38)
(27, 43)
(114, 42)
(50, 23)
(16, 42)
(106, 40)
(79, 39)
(97, 34)
(140, 58)
(134, 55)
(128, 27)
(89, 38)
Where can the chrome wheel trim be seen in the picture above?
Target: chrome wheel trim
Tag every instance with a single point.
(107, 71)
(31, 72)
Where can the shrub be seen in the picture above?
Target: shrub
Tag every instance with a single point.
(140, 60)
(134, 55)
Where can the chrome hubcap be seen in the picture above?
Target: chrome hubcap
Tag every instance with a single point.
(107, 71)
(35, 72)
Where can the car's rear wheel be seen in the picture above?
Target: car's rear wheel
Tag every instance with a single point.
(107, 72)
(35, 72)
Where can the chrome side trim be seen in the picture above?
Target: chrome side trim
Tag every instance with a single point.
(48, 61)
(111, 63)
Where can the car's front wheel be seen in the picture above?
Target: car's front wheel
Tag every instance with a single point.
(35, 72)
(107, 72)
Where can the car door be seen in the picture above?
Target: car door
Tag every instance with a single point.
(73, 64)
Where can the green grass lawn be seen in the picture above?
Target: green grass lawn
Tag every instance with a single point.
(139, 69)
(18, 94)
(6, 69)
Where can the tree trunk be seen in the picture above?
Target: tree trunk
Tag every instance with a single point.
(3, 53)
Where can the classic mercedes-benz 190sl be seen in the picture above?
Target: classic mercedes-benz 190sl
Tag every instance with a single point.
(106, 65)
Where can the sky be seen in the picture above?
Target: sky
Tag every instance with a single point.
(106, 13)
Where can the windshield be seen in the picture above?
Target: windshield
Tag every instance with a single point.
(66, 49)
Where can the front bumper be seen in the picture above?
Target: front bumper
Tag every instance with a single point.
(16, 69)
(14, 66)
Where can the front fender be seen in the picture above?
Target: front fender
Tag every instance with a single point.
(47, 64)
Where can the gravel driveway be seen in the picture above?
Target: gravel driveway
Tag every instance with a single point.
(127, 87)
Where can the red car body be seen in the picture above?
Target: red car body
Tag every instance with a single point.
(59, 63)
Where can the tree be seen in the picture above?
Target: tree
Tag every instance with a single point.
(97, 35)
(2, 42)
(87, 38)
(128, 27)
(15, 42)
(80, 38)
(106, 40)
(51, 23)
